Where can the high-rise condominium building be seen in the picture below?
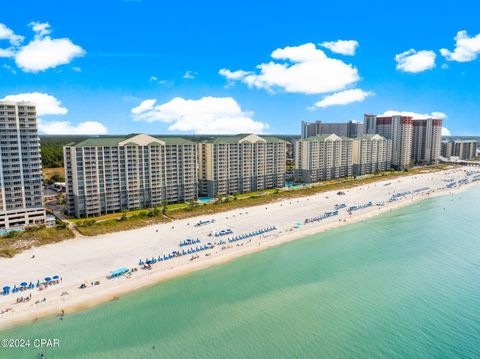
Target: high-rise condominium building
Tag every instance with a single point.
(399, 129)
(463, 149)
(21, 202)
(426, 141)
(348, 129)
(112, 174)
(323, 157)
(240, 164)
(371, 153)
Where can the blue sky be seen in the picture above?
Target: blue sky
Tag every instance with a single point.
(92, 64)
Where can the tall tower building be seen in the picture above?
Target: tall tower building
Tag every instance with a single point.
(350, 129)
(399, 129)
(311, 128)
(21, 202)
(426, 141)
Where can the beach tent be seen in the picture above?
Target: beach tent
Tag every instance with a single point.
(118, 272)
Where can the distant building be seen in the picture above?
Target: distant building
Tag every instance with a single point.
(426, 141)
(463, 149)
(399, 129)
(112, 174)
(21, 202)
(371, 153)
(348, 129)
(241, 164)
(323, 157)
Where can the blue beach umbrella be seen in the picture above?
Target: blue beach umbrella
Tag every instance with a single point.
(48, 279)
(55, 277)
(23, 284)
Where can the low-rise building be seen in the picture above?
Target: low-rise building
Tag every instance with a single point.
(371, 153)
(240, 164)
(323, 157)
(463, 149)
(112, 174)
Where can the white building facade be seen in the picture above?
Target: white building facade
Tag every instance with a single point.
(108, 175)
(241, 164)
(324, 157)
(21, 201)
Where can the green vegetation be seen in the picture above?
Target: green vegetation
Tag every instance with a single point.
(16, 242)
(122, 222)
(52, 149)
(51, 175)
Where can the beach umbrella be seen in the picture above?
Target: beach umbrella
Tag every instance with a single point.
(23, 284)
(55, 277)
(48, 279)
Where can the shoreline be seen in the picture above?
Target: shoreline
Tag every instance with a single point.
(110, 289)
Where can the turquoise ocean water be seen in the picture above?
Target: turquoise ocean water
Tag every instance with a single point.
(402, 285)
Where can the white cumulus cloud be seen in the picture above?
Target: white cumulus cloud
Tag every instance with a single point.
(343, 47)
(9, 52)
(40, 29)
(144, 106)
(343, 98)
(446, 132)
(49, 105)
(206, 115)
(66, 127)
(41, 53)
(8, 34)
(466, 48)
(415, 115)
(415, 61)
(46, 104)
(298, 69)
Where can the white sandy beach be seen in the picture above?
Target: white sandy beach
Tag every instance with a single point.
(90, 259)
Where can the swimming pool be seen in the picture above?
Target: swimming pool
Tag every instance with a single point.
(205, 199)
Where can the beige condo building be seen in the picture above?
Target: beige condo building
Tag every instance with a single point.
(323, 157)
(240, 164)
(21, 202)
(112, 174)
(371, 153)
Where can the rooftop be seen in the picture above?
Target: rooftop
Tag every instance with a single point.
(134, 139)
(244, 137)
(329, 137)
